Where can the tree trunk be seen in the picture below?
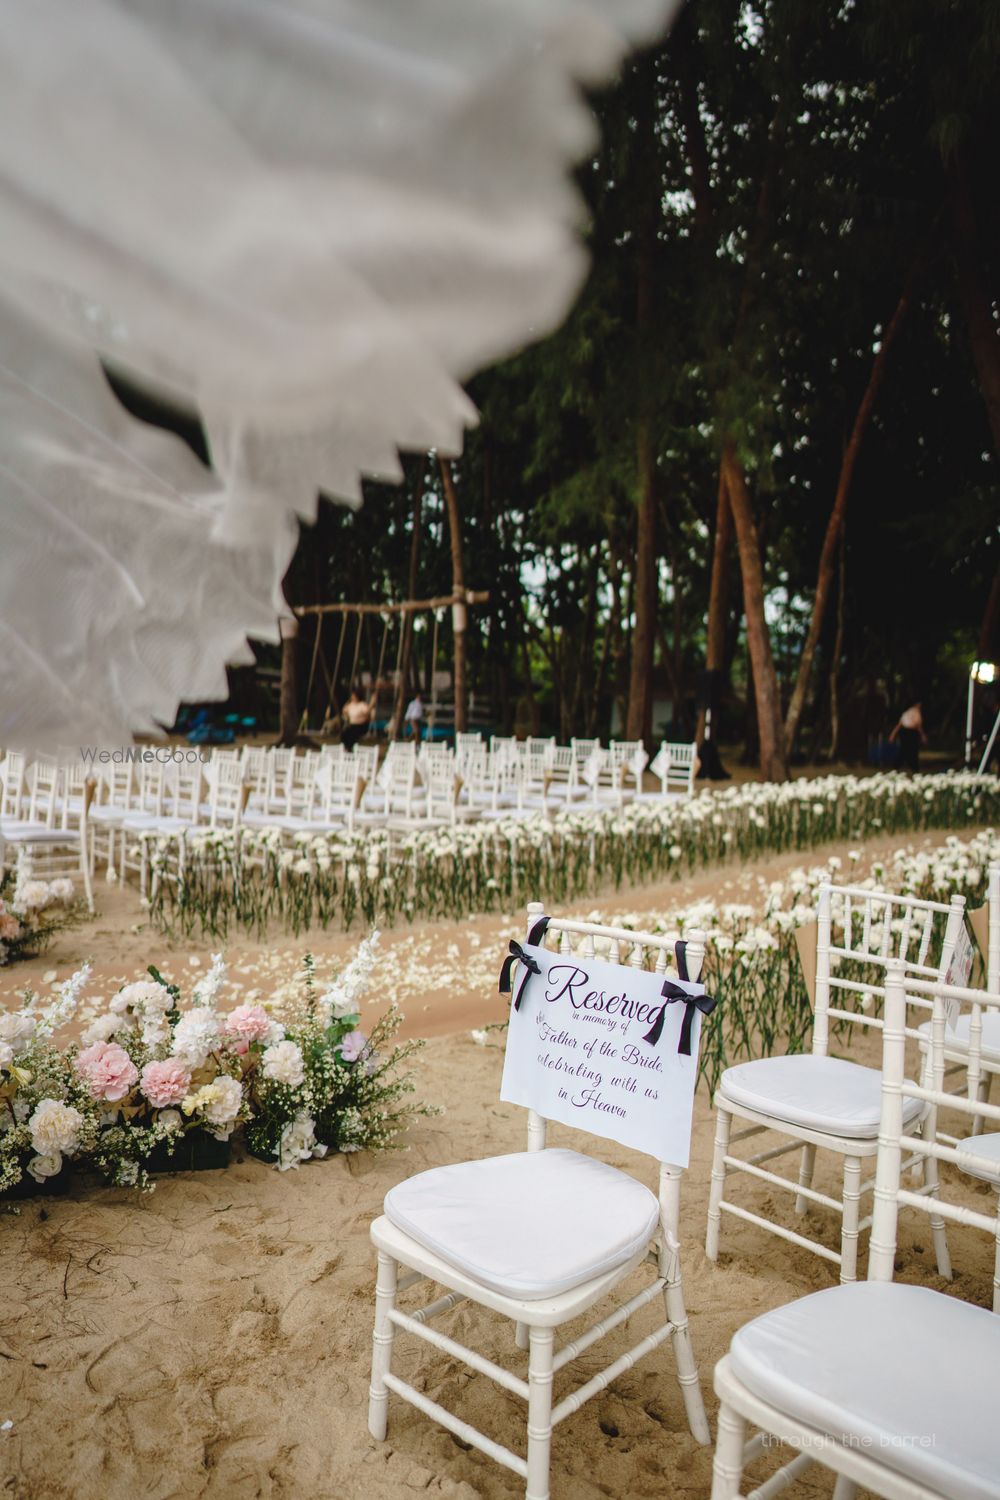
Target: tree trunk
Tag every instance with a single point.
(834, 526)
(718, 599)
(838, 650)
(976, 304)
(413, 576)
(288, 701)
(773, 764)
(459, 608)
(639, 722)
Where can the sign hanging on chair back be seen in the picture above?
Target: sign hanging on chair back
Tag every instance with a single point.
(604, 1047)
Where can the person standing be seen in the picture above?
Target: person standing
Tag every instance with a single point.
(414, 717)
(910, 733)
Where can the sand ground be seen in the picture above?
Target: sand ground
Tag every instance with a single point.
(212, 1340)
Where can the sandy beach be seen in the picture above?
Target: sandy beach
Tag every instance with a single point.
(212, 1339)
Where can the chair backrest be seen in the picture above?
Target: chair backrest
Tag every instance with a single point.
(583, 749)
(674, 765)
(44, 791)
(896, 1143)
(873, 928)
(465, 742)
(605, 1043)
(13, 781)
(228, 793)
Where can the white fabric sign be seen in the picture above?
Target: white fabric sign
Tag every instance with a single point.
(578, 1051)
(959, 970)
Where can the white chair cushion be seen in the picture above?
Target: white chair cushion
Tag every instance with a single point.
(956, 1038)
(982, 1145)
(901, 1372)
(826, 1094)
(530, 1225)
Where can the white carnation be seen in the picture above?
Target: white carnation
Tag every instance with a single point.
(224, 1105)
(283, 1062)
(102, 1029)
(31, 895)
(195, 1036)
(6, 1054)
(62, 889)
(17, 1029)
(146, 996)
(55, 1127)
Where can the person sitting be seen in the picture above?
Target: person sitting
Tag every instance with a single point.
(413, 719)
(357, 716)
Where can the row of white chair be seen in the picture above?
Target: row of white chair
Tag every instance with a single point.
(881, 1383)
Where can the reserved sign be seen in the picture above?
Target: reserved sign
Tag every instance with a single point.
(606, 1048)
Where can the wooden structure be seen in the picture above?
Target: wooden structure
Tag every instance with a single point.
(459, 601)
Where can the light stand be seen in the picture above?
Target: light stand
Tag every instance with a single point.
(985, 673)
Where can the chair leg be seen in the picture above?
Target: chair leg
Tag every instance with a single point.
(852, 1214)
(938, 1230)
(687, 1370)
(378, 1391)
(723, 1125)
(844, 1489)
(996, 1267)
(806, 1168)
(541, 1343)
(521, 1335)
(727, 1464)
(86, 868)
(983, 1095)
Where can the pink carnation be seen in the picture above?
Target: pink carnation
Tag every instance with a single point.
(107, 1070)
(246, 1024)
(10, 927)
(165, 1083)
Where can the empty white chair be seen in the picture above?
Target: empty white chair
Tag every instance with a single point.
(540, 1237)
(978, 1065)
(675, 767)
(883, 1384)
(39, 845)
(816, 1101)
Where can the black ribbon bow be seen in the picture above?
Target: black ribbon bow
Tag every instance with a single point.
(671, 993)
(517, 955)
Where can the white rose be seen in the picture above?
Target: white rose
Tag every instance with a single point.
(62, 889)
(283, 1062)
(55, 1127)
(41, 1167)
(195, 1036)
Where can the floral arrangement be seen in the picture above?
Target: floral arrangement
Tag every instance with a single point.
(30, 912)
(148, 1075)
(254, 877)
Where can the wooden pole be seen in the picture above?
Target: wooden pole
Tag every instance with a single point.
(408, 606)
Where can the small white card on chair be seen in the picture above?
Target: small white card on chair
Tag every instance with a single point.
(605, 1048)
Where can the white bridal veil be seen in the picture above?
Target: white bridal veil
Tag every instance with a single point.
(308, 219)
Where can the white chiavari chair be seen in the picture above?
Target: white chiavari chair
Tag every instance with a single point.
(976, 1066)
(884, 1384)
(818, 1102)
(38, 846)
(539, 1237)
(675, 767)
